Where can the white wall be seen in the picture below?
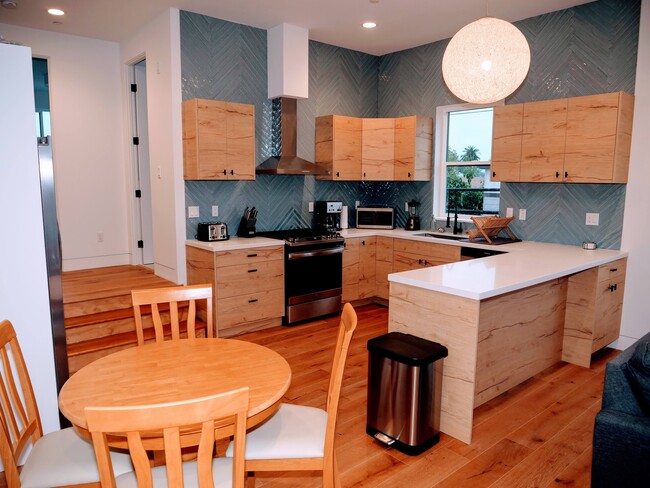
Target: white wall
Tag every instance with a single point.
(636, 233)
(24, 295)
(88, 144)
(159, 43)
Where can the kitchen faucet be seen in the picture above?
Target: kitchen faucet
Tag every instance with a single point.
(457, 229)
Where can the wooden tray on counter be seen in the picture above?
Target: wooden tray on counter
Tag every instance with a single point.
(489, 228)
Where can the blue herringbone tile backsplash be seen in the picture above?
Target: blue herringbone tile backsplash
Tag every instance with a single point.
(584, 50)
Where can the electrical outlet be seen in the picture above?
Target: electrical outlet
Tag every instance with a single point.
(592, 219)
(215, 210)
(311, 206)
(356, 204)
(100, 237)
(192, 212)
(522, 214)
(509, 212)
(406, 206)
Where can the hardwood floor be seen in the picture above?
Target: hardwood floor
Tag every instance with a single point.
(537, 434)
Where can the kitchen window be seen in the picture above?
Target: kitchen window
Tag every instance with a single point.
(462, 162)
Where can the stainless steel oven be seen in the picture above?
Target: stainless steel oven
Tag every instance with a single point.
(313, 273)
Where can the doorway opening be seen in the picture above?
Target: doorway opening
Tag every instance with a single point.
(143, 220)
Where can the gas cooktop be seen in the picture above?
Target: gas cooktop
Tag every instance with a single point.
(303, 236)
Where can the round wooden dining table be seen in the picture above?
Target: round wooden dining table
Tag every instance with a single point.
(178, 370)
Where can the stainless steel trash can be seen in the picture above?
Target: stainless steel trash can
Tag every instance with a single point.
(404, 390)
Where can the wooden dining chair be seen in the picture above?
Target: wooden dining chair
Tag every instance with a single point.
(169, 298)
(167, 420)
(60, 458)
(301, 438)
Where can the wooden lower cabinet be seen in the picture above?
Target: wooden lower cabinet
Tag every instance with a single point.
(248, 286)
(359, 262)
(593, 311)
(383, 266)
(409, 255)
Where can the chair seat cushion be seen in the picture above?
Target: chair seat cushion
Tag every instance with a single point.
(639, 373)
(295, 431)
(65, 458)
(221, 474)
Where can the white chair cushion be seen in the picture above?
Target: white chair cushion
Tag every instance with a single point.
(295, 431)
(221, 474)
(65, 458)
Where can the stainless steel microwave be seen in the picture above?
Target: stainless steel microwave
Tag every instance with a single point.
(376, 218)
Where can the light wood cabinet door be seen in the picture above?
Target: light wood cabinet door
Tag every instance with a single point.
(351, 270)
(409, 255)
(338, 147)
(598, 130)
(506, 142)
(384, 266)
(413, 148)
(218, 140)
(367, 267)
(594, 306)
(378, 149)
(543, 141)
(240, 141)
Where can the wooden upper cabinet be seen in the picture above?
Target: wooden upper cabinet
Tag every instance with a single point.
(506, 142)
(598, 137)
(543, 140)
(218, 140)
(572, 140)
(413, 148)
(378, 149)
(338, 147)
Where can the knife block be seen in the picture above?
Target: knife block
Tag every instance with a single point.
(246, 227)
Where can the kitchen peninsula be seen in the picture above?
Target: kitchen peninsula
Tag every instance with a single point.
(504, 318)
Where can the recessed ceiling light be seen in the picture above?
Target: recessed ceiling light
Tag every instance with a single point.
(55, 11)
(369, 25)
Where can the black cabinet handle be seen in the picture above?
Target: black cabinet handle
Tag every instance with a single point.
(364, 175)
(363, 243)
(419, 261)
(426, 262)
(252, 271)
(494, 173)
(338, 174)
(409, 174)
(232, 172)
(612, 270)
(225, 172)
(252, 255)
(566, 174)
(557, 174)
(613, 287)
(253, 300)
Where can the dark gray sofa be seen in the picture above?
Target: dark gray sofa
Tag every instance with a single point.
(621, 455)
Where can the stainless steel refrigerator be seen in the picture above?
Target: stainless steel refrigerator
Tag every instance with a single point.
(53, 259)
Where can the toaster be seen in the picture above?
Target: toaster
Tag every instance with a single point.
(212, 231)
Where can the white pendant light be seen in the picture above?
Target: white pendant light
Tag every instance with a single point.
(486, 61)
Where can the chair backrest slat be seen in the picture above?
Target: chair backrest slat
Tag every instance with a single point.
(170, 419)
(171, 297)
(19, 418)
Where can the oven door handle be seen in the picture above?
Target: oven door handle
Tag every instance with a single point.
(292, 256)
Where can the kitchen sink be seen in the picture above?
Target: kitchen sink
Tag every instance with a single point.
(454, 237)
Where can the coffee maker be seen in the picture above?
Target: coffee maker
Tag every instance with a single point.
(327, 216)
(413, 221)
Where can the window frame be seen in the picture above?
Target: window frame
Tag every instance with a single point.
(440, 157)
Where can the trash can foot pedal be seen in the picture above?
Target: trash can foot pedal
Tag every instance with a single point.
(384, 438)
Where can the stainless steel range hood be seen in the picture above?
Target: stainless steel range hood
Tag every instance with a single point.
(284, 127)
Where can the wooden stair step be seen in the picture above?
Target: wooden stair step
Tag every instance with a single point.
(115, 314)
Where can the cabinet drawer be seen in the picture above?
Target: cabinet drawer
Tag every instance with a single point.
(435, 253)
(614, 271)
(247, 256)
(249, 278)
(249, 308)
(403, 261)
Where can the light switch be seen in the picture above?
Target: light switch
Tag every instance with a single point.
(311, 206)
(192, 212)
(592, 219)
(215, 210)
(522, 214)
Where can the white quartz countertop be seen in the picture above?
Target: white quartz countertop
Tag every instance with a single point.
(523, 264)
(235, 243)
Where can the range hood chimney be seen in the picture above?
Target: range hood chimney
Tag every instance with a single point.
(284, 142)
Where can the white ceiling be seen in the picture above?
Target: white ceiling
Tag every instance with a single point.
(401, 24)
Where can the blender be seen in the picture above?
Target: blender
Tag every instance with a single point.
(413, 221)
